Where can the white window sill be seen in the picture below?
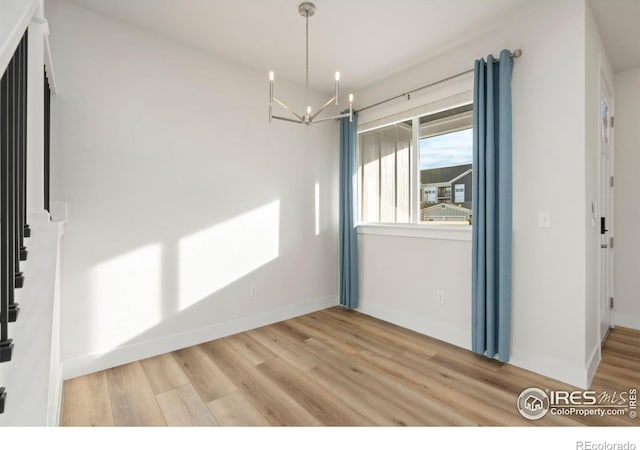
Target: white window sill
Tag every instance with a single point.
(446, 232)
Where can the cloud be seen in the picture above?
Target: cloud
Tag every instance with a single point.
(445, 150)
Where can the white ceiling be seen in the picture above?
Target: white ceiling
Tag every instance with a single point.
(364, 39)
(619, 24)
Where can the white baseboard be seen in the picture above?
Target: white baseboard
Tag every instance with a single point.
(593, 363)
(627, 320)
(54, 415)
(454, 336)
(83, 365)
(543, 365)
(550, 367)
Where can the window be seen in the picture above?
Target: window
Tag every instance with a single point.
(446, 157)
(428, 181)
(430, 194)
(459, 196)
(384, 169)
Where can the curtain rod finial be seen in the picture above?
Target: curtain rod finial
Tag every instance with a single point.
(517, 53)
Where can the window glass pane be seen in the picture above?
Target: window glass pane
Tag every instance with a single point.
(403, 175)
(446, 156)
(384, 174)
(370, 175)
(387, 177)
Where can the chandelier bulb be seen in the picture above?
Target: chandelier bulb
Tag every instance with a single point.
(337, 76)
(350, 98)
(271, 75)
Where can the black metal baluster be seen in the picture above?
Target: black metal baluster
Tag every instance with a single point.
(6, 258)
(47, 136)
(13, 189)
(26, 230)
(20, 161)
(3, 399)
(11, 219)
(14, 121)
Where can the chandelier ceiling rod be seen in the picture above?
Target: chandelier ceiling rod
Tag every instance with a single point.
(306, 16)
(307, 9)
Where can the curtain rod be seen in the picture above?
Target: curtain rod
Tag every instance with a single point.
(515, 55)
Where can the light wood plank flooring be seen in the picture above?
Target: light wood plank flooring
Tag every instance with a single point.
(331, 367)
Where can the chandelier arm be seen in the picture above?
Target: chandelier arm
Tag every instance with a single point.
(325, 106)
(286, 119)
(307, 9)
(277, 100)
(339, 116)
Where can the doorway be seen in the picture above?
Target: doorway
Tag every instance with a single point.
(605, 199)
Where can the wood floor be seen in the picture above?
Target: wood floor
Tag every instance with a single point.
(332, 367)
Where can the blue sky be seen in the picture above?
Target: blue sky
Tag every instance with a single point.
(451, 149)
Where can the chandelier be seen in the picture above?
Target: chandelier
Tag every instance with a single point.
(306, 10)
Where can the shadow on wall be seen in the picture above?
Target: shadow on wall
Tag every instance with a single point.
(207, 261)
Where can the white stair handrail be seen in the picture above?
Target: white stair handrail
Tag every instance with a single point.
(15, 16)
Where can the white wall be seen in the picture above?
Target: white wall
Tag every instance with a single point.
(399, 277)
(627, 213)
(597, 71)
(180, 195)
(549, 175)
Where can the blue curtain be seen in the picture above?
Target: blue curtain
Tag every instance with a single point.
(348, 235)
(492, 207)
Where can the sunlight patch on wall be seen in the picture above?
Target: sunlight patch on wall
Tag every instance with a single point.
(213, 258)
(317, 191)
(126, 296)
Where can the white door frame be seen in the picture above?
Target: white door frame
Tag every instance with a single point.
(605, 201)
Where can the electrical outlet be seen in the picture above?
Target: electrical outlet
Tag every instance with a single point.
(440, 297)
(252, 290)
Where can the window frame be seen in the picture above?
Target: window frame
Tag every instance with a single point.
(414, 228)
